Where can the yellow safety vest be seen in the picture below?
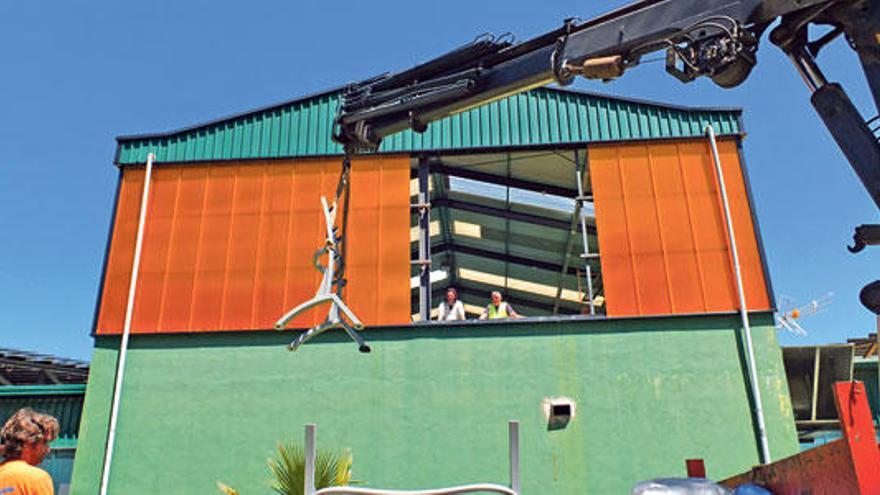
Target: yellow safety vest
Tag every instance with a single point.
(500, 312)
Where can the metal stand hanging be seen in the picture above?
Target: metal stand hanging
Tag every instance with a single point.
(333, 279)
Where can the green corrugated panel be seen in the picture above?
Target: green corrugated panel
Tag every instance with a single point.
(543, 116)
(64, 402)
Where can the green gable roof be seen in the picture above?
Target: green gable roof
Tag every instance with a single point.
(543, 116)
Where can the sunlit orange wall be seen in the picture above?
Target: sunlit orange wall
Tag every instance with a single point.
(228, 246)
(662, 234)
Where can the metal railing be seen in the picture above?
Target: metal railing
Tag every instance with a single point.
(512, 489)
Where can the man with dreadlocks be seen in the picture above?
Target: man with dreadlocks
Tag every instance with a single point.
(24, 443)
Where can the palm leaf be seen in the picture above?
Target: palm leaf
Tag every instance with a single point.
(332, 468)
(288, 468)
(225, 489)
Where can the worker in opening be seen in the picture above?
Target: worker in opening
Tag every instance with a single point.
(25, 443)
(498, 309)
(451, 309)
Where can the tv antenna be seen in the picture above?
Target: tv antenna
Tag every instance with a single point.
(789, 314)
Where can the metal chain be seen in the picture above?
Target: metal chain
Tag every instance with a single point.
(343, 193)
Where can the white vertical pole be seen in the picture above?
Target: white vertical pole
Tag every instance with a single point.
(513, 445)
(424, 240)
(309, 478)
(126, 329)
(743, 311)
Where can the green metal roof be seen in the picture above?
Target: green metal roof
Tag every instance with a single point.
(543, 116)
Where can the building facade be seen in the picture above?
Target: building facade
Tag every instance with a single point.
(599, 219)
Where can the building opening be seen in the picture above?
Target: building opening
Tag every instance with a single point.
(513, 222)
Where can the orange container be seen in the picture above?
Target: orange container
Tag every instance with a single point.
(229, 245)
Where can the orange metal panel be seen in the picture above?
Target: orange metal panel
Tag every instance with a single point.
(229, 246)
(273, 246)
(154, 257)
(117, 276)
(241, 261)
(646, 245)
(707, 217)
(618, 273)
(305, 233)
(744, 229)
(662, 235)
(183, 249)
(361, 266)
(673, 218)
(394, 215)
(214, 238)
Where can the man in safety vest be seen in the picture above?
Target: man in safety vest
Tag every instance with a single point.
(498, 309)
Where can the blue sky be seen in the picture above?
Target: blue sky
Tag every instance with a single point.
(78, 73)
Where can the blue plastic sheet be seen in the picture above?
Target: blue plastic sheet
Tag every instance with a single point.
(750, 489)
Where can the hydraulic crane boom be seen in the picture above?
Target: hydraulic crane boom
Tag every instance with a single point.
(714, 38)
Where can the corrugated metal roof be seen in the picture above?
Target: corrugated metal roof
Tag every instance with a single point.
(28, 368)
(543, 116)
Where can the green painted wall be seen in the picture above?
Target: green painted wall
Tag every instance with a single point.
(429, 407)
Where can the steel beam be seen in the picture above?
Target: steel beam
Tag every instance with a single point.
(453, 247)
(481, 290)
(424, 210)
(505, 214)
(443, 216)
(465, 173)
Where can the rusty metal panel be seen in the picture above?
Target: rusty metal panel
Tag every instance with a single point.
(847, 466)
(229, 246)
(824, 470)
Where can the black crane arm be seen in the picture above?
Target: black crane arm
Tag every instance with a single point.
(713, 38)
